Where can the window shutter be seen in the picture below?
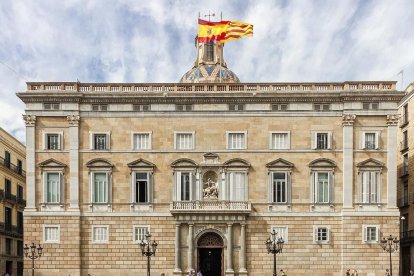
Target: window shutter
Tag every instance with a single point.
(377, 139)
(44, 140)
(61, 188)
(193, 189)
(91, 142)
(314, 133)
(108, 141)
(328, 235)
(44, 187)
(270, 187)
(373, 187)
(315, 234)
(60, 141)
(331, 190)
(314, 184)
(178, 186)
(365, 187)
(289, 187)
(91, 187)
(329, 140)
(363, 140)
(379, 184)
(377, 233)
(365, 234)
(133, 186)
(149, 187)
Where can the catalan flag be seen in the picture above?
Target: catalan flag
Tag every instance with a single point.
(223, 31)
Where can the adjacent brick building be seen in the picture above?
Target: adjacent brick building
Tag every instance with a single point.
(210, 166)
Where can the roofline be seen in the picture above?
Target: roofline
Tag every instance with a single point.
(14, 138)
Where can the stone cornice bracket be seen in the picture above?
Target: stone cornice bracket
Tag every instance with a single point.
(348, 119)
(73, 120)
(392, 119)
(30, 120)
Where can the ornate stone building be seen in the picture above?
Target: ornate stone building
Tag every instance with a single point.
(406, 181)
(210, 166)
(12, 202)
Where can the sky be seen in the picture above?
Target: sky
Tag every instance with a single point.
(153, 41)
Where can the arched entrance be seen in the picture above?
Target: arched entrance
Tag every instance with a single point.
(210, 254)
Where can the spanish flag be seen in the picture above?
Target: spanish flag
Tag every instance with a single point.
(223, 31)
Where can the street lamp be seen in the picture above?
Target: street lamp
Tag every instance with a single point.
(274, 246)
(30, 252)
(390, 245)
(148, 249)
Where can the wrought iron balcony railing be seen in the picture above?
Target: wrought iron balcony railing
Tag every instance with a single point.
(406, 235)
(16, 169)
(403, 201)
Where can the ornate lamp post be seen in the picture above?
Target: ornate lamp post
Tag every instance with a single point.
(274, 246)
(30, 252)
(148, 249)
(390, 245)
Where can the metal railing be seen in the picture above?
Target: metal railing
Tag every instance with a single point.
(5, 163)
(405, 235)
(404, 144)
(8, 197)
(403, 201)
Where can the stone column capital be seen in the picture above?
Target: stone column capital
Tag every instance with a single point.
(29, 120)
(392, 119)
(348, 119)
(73, 120)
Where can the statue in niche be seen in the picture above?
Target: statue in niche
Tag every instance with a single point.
(210, 189)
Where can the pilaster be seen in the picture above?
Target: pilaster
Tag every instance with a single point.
(392, 123)
(73, 121)
(190, 246)
(242, 256)
(229, 259)
(30, 121)
(177, 269)
(348, 156)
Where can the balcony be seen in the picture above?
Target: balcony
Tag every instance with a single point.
(12, 199)
(8, 197)
(404, 120)
(407, 236)
(403, 145)
(404, 170)
(15, 169)
(211, 206)
(11, 230)
(403, 201)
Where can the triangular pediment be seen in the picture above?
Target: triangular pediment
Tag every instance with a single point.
(99, 163)
(280, 163)
(141, 163)
(372, 163)
(237, 162)
(52, 163)
(184, 162)
(322, 163)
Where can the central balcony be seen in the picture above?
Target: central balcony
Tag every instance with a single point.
(211, 206)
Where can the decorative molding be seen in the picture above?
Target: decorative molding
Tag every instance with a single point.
(73, 120)
(348, 119)
(280, 163)
(52, 163)
(322, 163)
(371, 163)
(392, 119)
(30, 120)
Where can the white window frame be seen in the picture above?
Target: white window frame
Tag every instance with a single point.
(231, 185)
(314, 139)
(271, 133)
(134, 229)
(365, 233)
(61, 186)
(315, 186)
(92, 140)
(178, 185)
(315, 234)
(362, 184)
(228, 133)
(104, 241)
(45, 240)
(60, 140)
(288, 186)
(133, 140)
(377, 135)
(285, 233)
(176, 133)
(109, 186)
(149, 186)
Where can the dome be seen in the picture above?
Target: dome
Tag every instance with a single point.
(209, 73)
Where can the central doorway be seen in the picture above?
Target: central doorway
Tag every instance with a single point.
(210, 254)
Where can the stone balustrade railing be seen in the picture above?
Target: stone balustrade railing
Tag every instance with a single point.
(210, 87)
(210, 205)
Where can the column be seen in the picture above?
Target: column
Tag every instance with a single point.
(242, 255)
(229, 260)
(348, 156)
(177, 269)
(190, 247)
(30, 121)
(392, 122)
(73, 121)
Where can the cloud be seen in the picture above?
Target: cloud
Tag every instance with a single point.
(153, 41)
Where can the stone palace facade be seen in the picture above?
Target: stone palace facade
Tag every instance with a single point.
(210, 166)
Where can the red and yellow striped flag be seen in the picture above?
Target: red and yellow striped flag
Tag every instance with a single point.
(223, 31)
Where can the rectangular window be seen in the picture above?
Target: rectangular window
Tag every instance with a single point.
(185, 186)
(405, 195)
(370, 105)
(280, 140)
(321, 187)
(321, 234)
(371, 233)
(184, 141)
(404, 118)
(139, 233)
(236, 107)
(7, 159)
(19, 222)
(100, 141)
(51, 106)
(99, 107)
(405, 164)
(237, 186)
(142, 141)
(322, 140)
(279, 187)
(279, 107)
(51, 233)
(52, 141)
(19, 248)
(19, 192)
(141, 107)
(9, 243)
(19, 166)
(370, 140)
(8, 218)
(100, 187)
(141, 187)
(236, 140)
(100, 234)
(321, 107)
(7, 186)
(370, 187)
(53, 187)
(184, 107)
(404, 142)
(282, 232)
